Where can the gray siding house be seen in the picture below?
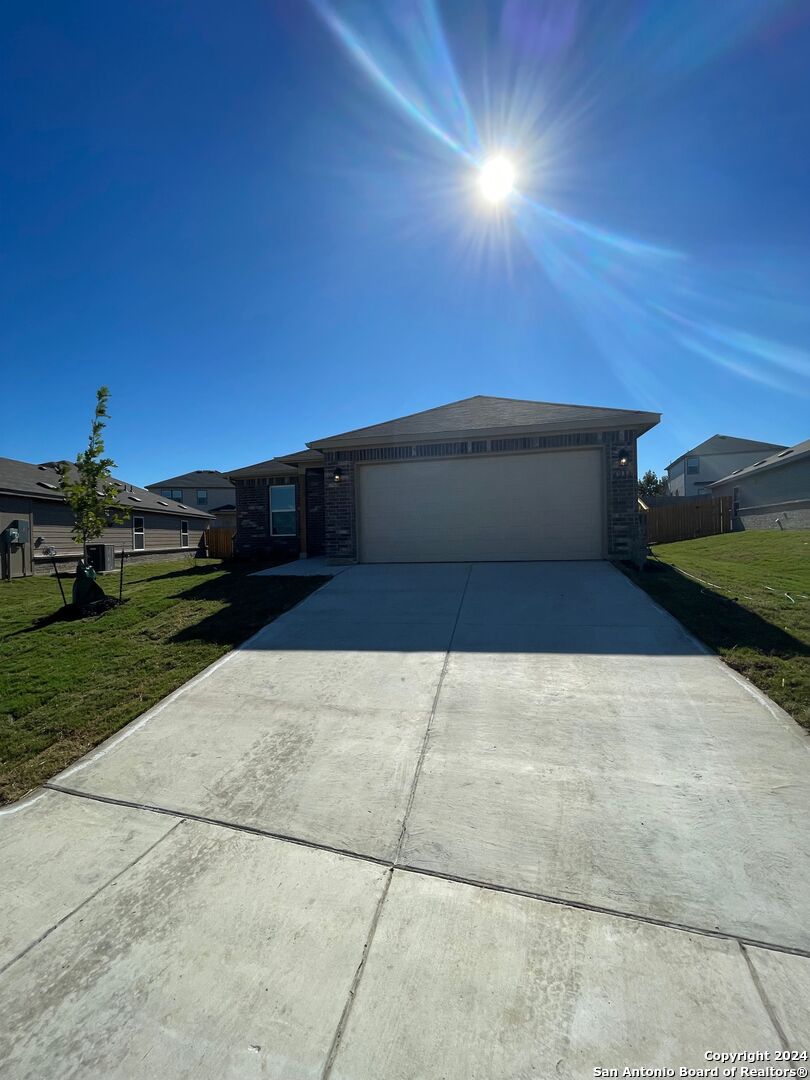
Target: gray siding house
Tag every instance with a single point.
(694, 472)
(771, 493)
(205, 489)
(480, 479)
(34, 516)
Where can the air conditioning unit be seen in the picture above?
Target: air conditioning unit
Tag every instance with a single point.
(101, 557)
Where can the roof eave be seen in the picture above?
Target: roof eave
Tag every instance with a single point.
(251, 471)
(55, 496)
(169, 483)
(640, 422)
(28, 494)
(760, 469)
(303, 458)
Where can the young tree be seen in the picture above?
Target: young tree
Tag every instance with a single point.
(651, 484)
(87, 485)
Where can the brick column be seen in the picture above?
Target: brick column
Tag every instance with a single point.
(340, 512)
(622, 497)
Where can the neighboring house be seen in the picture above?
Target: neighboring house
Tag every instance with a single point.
(481, 479)
(34, 516)
(694, 472)
(772, 493)
(225, 516)
(206, 489)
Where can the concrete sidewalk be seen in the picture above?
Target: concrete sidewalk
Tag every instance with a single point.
(499, 820)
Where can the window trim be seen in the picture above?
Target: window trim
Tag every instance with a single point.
(294, 511)
(204, 500)
(138, 533)
(735, 501)
(693, 469)
(183, 532)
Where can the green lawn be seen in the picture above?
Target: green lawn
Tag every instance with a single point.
(66, 686)
(751, 605)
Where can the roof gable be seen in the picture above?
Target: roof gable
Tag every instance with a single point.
(727, 444)
(481, 413)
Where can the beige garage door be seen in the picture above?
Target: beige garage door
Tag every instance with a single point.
(523, 506)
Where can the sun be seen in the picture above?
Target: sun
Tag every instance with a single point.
(496, 179)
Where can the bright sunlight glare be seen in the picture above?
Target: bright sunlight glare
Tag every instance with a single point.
(497, 179)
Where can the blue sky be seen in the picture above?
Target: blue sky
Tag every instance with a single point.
(255, 237)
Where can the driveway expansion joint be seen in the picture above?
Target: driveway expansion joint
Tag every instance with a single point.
(347, 1008)
(104, 885)
(544, 898)
(766, 1003)
(423, 751)
(185, 815)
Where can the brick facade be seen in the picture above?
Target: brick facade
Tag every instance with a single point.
(625, 535)
(340, 504)
(314, 509)
(253, 537)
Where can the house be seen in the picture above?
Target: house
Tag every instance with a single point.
(280, 506)
(694, 472)
(34, 517)
(225, 516)
(771, 493)
(485, 478)
(205, 489)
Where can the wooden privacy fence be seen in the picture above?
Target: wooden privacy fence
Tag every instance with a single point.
(219, 542)
(687, 519)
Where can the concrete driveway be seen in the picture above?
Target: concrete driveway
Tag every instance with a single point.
(488, 822)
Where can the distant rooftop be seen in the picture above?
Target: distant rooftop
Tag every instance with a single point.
(727, 444)
(279, 466)
(786, 456)
(201, 478)
(42, 482)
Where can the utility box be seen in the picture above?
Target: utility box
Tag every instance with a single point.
(16, 533)
(101, 557)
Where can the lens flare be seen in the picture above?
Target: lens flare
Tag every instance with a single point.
(647, 308)
(497, 179)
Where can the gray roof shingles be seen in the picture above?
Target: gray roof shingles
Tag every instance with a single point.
(42, 482)
(198, 478)
(727, 444)
(488, 413)
(785, 456)
(278, 466)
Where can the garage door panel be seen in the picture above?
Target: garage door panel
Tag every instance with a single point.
(508, 508)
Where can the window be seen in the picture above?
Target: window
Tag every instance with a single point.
(202, 496)
(138, 534)
(693, 465)
(172, 493)
(183, 533)
(736, 501)
(282, 510)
